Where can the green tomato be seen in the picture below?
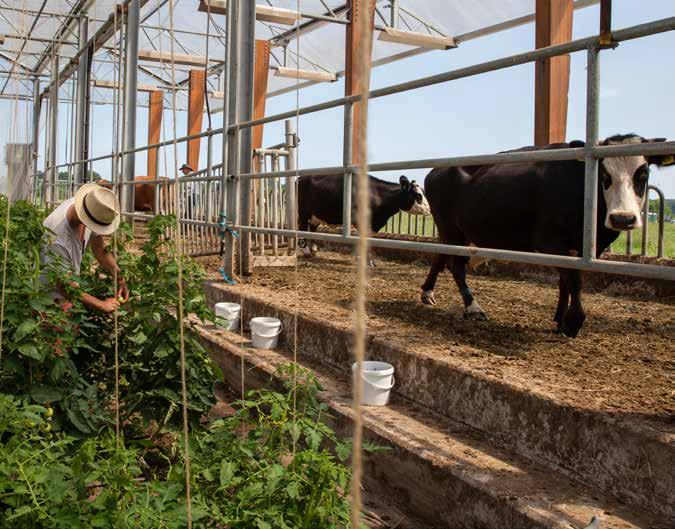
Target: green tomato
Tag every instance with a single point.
(50, 412)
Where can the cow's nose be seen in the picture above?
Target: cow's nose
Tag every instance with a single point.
(622, 221)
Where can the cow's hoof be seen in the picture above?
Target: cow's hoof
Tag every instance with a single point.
(428, 297)
(475, 315)
(314, 250)
(372, 264)
(307, 252)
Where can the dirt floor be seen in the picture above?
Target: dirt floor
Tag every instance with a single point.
(623, 361)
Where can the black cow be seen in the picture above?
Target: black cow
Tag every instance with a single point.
(320, 201)
(534, 207)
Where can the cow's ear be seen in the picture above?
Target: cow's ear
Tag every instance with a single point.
(405, 183)
(658, 159)
(575, 144)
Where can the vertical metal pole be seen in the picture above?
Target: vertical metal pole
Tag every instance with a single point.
(130, 85)
(347, 161)
(247, 53)
(36, 137)
(629, 243)
(662, 220)
(394, 13)
(645, 224)
(591, 173)
(82, 109)
(291, 197)
(275, 204)
(50, 192)
(228, 197)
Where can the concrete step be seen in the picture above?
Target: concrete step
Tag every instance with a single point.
(626, 458)
(441, 471)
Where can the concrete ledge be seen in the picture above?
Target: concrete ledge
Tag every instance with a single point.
(438, 470)
(624, 458)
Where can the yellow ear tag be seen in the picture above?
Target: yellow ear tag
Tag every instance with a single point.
(668, 160)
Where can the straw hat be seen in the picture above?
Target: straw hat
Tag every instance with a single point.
(97, 208)
(186, 166)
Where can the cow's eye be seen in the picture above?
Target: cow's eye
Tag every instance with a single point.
(640, 180)
(606, 179)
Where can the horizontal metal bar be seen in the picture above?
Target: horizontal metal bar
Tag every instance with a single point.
(559, 261)
(543, 155)
(641, 30)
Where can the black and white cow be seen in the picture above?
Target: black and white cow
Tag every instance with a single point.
(534, 207)
(320, 202)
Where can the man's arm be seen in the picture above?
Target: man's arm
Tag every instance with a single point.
(107, 261)
(58, 252)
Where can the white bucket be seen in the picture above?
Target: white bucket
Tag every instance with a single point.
(265, 332)
(378, 380)
(227, 315)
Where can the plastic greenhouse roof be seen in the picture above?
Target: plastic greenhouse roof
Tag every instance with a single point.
(321, 44)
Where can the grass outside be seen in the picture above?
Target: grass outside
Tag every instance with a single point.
(406, 224)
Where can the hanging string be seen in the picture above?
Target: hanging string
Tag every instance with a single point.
(12, 135)
(295, 213)
(179, 258)
(114, 177)
(362, 73)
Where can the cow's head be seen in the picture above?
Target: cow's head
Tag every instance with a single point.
(624, 183)
(413, 199)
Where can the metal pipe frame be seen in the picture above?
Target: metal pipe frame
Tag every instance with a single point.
(37, 104)
(590, 153)
(130, 97)
(83, 86)
(51, 169)
(246, 38)
(630, 33)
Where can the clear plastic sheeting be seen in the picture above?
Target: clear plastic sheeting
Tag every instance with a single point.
(321, 44)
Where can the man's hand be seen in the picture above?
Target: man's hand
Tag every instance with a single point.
(122, 290)
(109, 305)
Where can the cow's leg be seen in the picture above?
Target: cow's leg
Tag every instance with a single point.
(437, 264)
(563, 299)
(472, 310)
(312, 244)
(575, 315)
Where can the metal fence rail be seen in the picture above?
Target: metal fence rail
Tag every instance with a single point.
(590, 153)
(236, 180)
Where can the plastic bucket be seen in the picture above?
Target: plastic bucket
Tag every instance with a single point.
(378, 380)
(227, 315)
(265, 332)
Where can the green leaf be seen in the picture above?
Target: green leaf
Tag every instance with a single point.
(25, 329)
(44, 394)
(227, 470)
(293, 490)
(29, 350)
(78, 421)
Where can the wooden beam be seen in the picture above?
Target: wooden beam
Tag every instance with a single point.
(178, 58)
(421, 40)
(196, 95)
(605, 22)
(276, 15)
(354, 47)
(155, 111)
(261, 68)
(100, 83)
(306, 75)
(553, 20)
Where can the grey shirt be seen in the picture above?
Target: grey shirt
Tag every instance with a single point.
(64, 241)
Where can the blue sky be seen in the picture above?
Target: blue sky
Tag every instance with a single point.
(482, 114)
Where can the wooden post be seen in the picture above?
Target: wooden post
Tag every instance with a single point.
(552, 76)
(196, 94)
(605, 22)
(155, 110)
(354, 47)
(260, 75)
